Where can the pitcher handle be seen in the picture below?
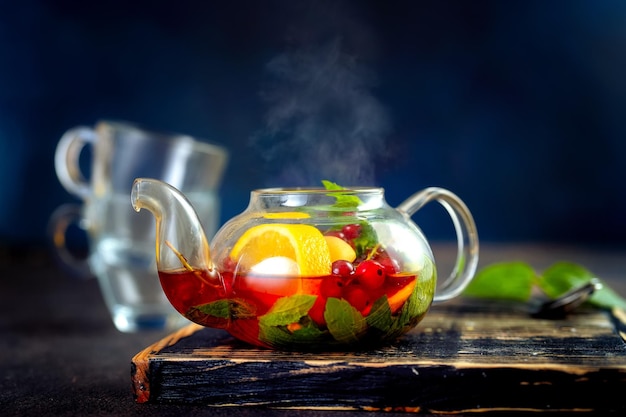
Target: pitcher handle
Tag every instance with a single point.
(60, 220)
(66, 160)
(467, 237)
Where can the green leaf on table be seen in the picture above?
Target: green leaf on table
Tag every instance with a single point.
(515, 280)
(566, 276)
(504, 281)
(607, 298)
(562, 277)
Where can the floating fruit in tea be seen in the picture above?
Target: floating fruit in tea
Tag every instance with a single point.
(294, 286)
(303, 243)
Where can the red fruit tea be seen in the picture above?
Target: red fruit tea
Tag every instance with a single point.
(238, 303)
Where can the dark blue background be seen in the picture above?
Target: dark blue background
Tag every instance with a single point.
(519, 107)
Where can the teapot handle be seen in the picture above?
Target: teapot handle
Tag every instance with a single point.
(467, 237)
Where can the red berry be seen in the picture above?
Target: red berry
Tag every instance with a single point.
(316, 313)
(357, 297)
(371, 274)
(342, 268)
(351, 231)
(331, 287)
(391, 265)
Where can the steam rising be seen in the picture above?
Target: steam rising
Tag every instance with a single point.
(322, 120)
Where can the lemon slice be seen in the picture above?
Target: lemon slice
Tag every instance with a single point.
(303, 243)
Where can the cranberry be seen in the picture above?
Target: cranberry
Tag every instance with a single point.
(342, 268)
(371, 274)
(357, 297)
(391, 265)
(316, 313)
(351, 231)
(331, 287)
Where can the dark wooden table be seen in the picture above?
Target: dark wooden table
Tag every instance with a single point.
(61, 355)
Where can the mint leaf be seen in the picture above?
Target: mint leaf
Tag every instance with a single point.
(367, 238)
(219, 308)
(566, 276)
(281, 337)
(380, 315)
(287, 310)
(515, 280)
(219, 313)
(345, 323)
(505, 281)
(343, 200)
(228, 308)
(418, 302)
(607, 299)
(329, 185)
(273, 325)
(411, 313)
(562, 277)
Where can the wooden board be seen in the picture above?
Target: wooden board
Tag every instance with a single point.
(465, 356)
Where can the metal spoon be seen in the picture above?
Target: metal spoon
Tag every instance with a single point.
(568, 302)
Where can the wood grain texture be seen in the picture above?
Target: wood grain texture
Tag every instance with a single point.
(465, 356)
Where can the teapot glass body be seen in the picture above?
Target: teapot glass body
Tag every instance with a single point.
(306, 269)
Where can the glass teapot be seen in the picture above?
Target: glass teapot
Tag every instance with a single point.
(306, 268)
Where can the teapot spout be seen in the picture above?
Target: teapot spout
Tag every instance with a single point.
(180, 238)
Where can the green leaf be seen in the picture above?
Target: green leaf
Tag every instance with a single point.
(219, 308)
(506, 281)
(228, 308)
(566, 276)
(514, 281)
(562, 277)
(606, 298)
(287, 310)
(345, 323)
(366, 240)
(380, 315)
(418, 302)
(329, 185)
(343, 200)
(279, 336)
